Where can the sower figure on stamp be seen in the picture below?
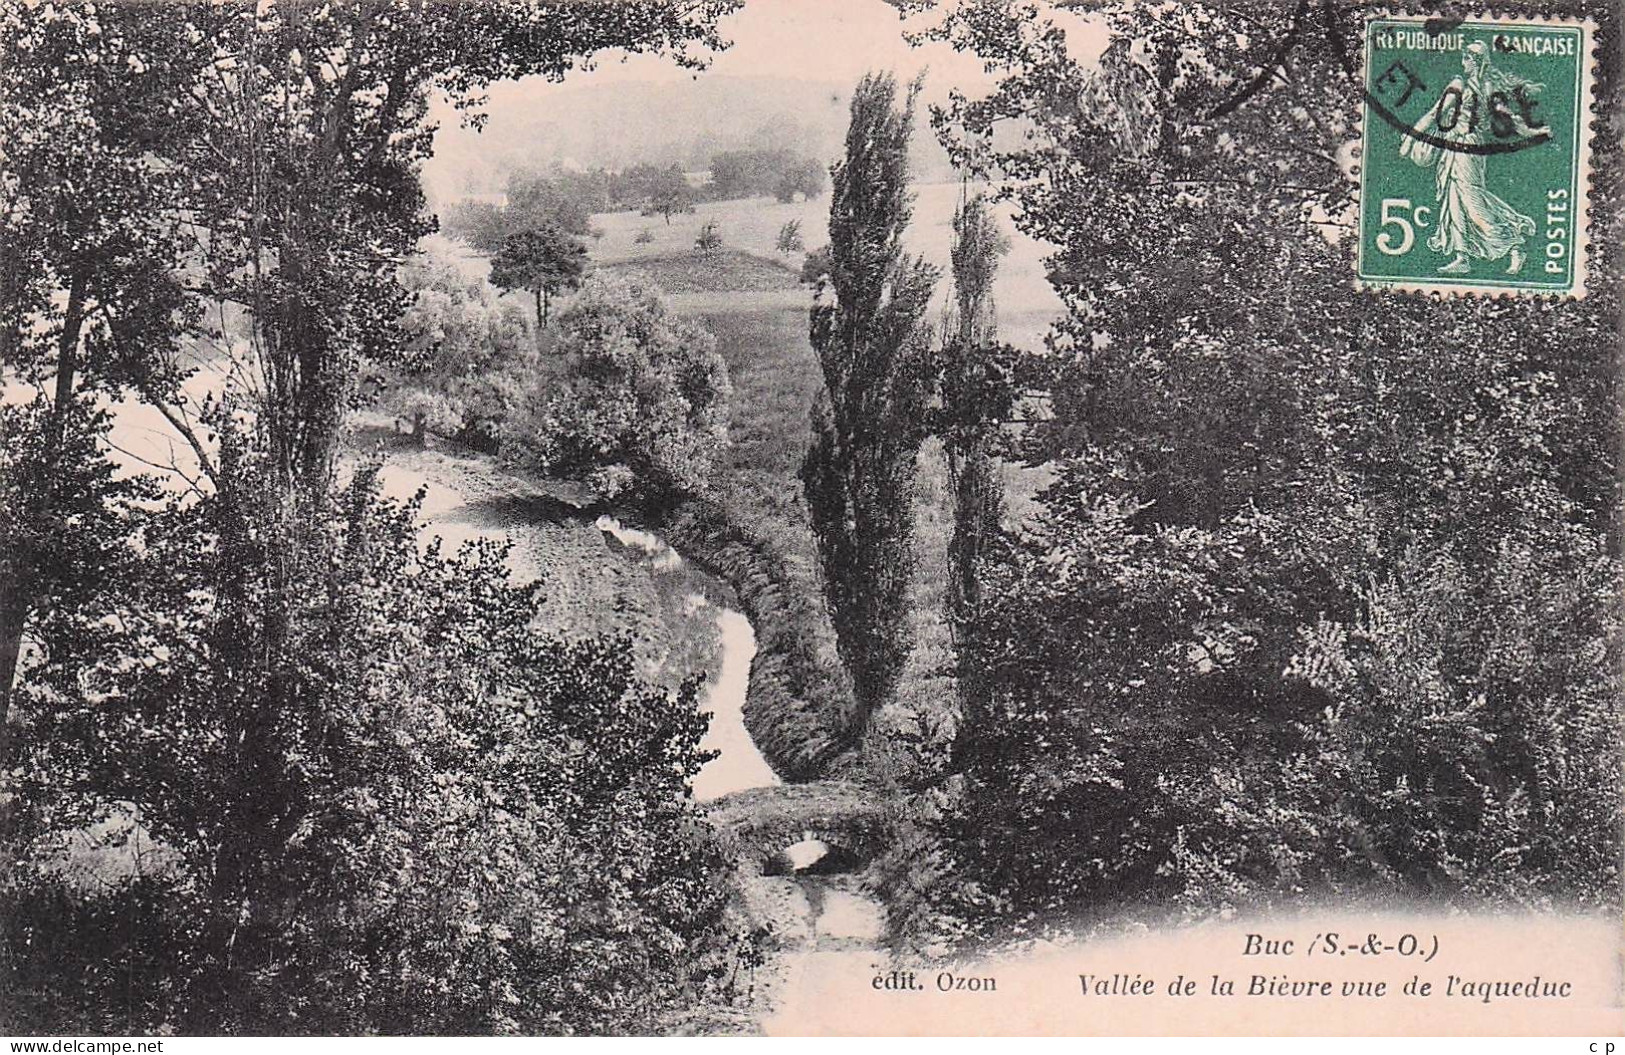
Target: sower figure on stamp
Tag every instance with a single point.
(1472, 222)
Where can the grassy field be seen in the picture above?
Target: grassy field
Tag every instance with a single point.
(1027, 304)
(749, 298)
(591, 588)
(758, 312)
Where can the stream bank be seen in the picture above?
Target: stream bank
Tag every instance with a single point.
(800, 709)
(724, 614)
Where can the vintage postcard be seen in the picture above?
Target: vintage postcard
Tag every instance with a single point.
(809, 518)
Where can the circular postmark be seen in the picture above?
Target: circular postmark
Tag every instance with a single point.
(1468, 118)
(1502, 120)
(1474, 143)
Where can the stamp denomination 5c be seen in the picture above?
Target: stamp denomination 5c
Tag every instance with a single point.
(1475, 155)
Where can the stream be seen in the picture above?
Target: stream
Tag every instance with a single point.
(739, 763)
(827, 926)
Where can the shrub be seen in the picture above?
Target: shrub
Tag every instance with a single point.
(789, 240)
(709, 240)
(1447, 726)
(815, 268)
(391, 806)
(640, 405)
(458, 371)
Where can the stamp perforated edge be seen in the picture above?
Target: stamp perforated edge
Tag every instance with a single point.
(1581, 224)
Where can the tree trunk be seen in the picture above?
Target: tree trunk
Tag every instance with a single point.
(13, 616)
(420, 430)
(541, 312)
(15, 603)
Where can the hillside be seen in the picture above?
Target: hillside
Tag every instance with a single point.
(661, 123)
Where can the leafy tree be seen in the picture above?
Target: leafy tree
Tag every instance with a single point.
(1298, 532)
(790, 240)
(91, 308)
(709, 239)
(312, 199)
(873, 349)
(314, 196)
(544, 261)
(281, 145)
(538, 201)
(439, 838)
(562, 199)
(804, 177)
(481, 224)
(669, 194)
(636, 185)
(746, 173)
(642, 405)
(977, 394)
(461, 368)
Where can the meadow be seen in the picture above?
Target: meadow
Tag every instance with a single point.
(1026, 302)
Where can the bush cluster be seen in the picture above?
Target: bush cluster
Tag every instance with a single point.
(387, 805)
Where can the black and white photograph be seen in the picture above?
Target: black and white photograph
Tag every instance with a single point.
(810, 517)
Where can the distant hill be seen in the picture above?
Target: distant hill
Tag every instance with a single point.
(662, 123)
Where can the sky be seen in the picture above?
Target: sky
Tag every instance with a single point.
(816, 40)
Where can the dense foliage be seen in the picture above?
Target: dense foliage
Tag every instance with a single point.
(465, 358)
(815, 266)
(434, 837)
(975, 398)
(560, 200)
(638, 404)
(668, 194)
(378, 801)
(91, 306)
(1324, 594)
(543, 261)
(868, 423)
(781, 173)
(565, 199)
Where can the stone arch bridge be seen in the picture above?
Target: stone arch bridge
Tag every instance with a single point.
(758, 825)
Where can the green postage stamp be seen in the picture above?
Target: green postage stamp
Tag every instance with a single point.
(1474, 169)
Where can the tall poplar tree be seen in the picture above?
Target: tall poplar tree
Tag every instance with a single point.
(878, 367)
(976, 394)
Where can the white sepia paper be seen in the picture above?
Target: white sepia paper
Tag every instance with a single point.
(809, 518)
